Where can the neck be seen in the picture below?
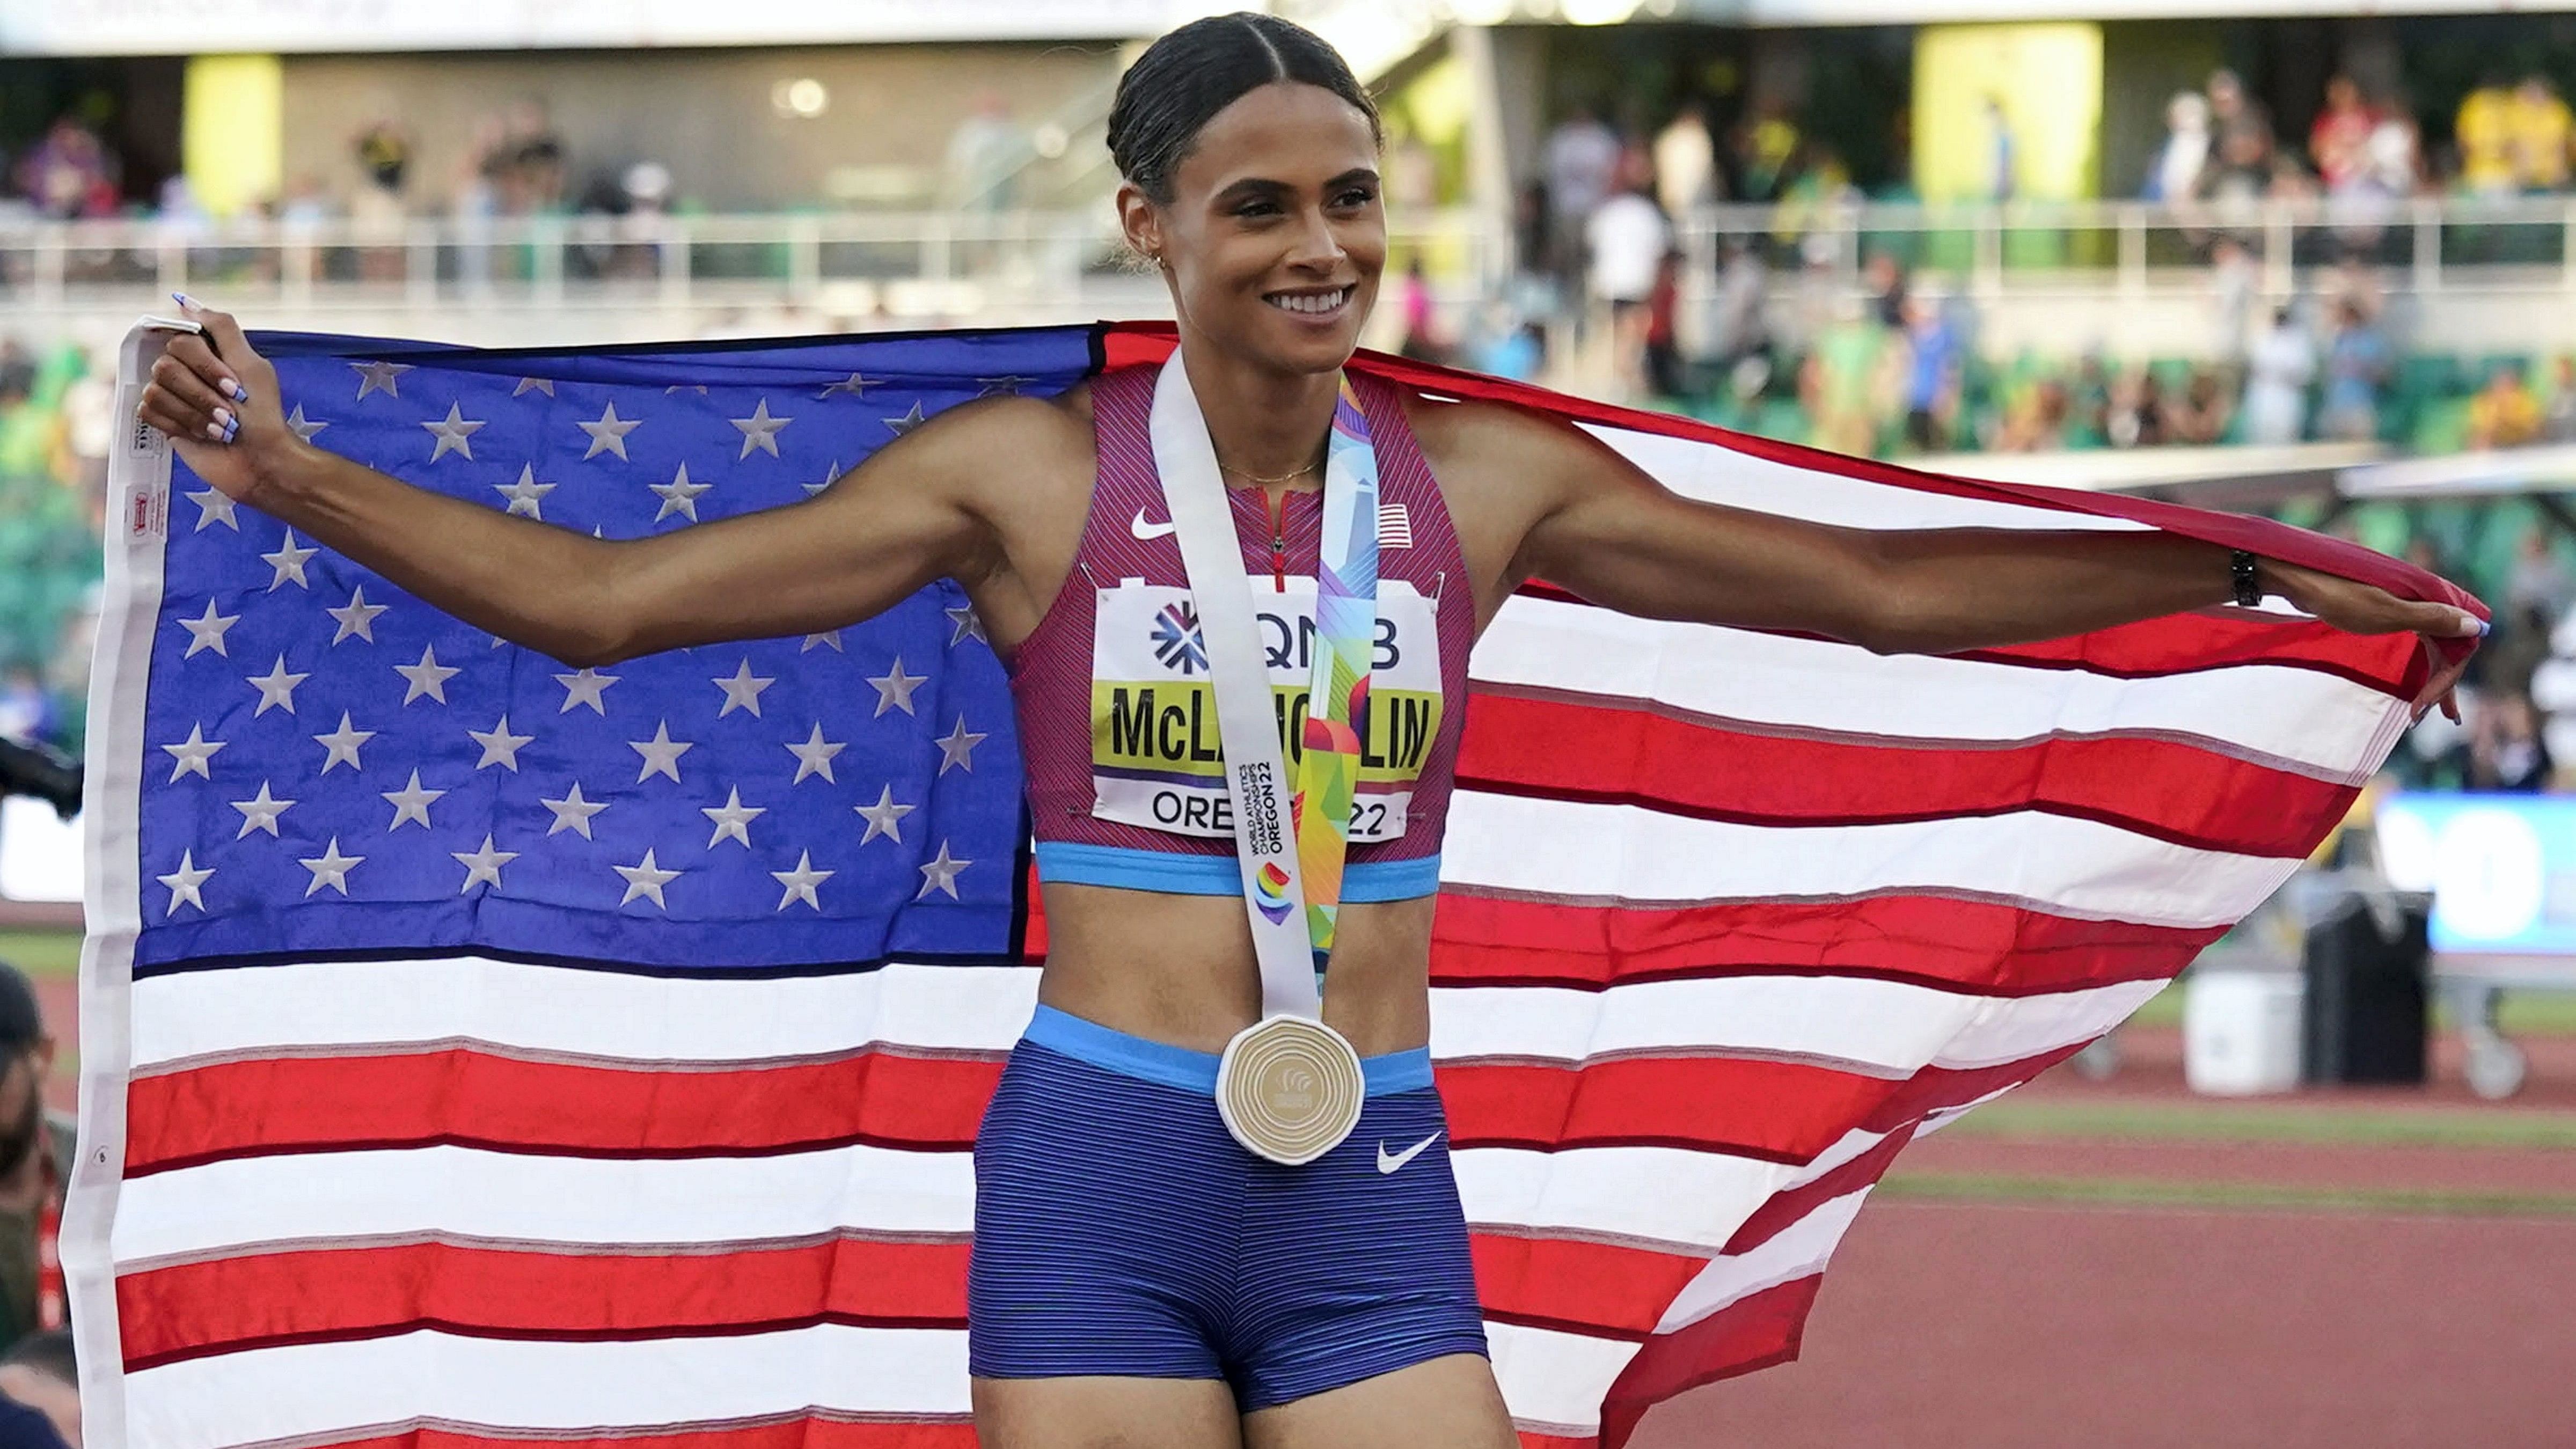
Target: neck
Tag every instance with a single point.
(1264, 422)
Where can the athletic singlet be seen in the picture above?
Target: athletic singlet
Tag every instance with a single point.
(1117, 716)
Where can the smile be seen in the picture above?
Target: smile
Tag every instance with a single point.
(1310, 304)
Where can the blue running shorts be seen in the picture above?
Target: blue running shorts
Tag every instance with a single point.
(1119, 1229)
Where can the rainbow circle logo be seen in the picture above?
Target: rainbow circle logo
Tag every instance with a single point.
(1270, 891)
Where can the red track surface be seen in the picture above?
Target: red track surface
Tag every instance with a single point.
(1998, 1327)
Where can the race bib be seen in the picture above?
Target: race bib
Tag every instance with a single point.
(1155, 759)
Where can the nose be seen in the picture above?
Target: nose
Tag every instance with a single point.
(1318, 248)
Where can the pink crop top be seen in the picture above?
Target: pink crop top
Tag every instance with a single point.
(1116, 715)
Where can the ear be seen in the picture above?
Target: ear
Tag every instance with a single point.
(1141, 221)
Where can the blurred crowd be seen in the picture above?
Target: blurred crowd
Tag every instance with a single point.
(56, 424)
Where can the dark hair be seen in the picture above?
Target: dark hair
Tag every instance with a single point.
(1183, 79)
(22, 1024)
(48, 1353)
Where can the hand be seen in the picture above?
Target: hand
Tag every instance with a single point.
(217, 399)
(2364, 609)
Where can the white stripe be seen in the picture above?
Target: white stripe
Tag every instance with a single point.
(193, 1014)
(327, 1388)
(1716, 474)
(541, 1199)
(1796, 1251)
(1892, 1026)
(2327, 724)
(1623, 854)
(1666, 1197)
(1553, 1382)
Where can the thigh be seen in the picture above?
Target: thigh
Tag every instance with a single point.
(1105, 1413)
(1445, 1403)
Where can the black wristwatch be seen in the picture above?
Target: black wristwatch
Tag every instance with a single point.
(2249, 589)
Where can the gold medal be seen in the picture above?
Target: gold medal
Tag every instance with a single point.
(1289, 1089)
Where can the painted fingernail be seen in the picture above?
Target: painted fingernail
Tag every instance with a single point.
(215, 431)
(232, 430)
(225, 417)
(186, 301)
(236, 391)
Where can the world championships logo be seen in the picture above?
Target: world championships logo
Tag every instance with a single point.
(1270, 891)
(1176, 639)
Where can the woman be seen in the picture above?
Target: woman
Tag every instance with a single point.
(1138, 1278)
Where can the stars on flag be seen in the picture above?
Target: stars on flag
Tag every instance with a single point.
(276, 688)
(884, 817)
(856, 385)
(383, 377)
(455, 434)
(732, 819)
(206, 631)
(342, 745)
(573, 812)
(831, 475)
(813, 757)
(661, 754)
(907, 422)
(185, 883)
(411, 802)
(963, 624)
(801, 881)
(608, 433)
(482, 866)
(192, 753)
(679, 495)
(941, 874)
(527, 496)
(958, 748)
(742, 691)
(644, 880)
(500, 747)
(585, 686)
(304, 427)
(829, 638)
(760, 430)
(894, 689)
(528, 385)
(261, 812)
(214, 506)
(356, 618)
(330, 868)
(289, 562)
(428, 677)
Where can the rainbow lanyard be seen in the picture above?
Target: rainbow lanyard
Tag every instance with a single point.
(1328, 771)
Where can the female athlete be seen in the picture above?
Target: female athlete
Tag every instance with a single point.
(1138, 1278)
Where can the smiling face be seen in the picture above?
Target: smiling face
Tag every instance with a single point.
(1274, 237)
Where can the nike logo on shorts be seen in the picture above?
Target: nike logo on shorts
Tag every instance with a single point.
(1388, 1162)
(1145, 530)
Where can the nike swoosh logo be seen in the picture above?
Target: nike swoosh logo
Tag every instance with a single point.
(1145, 530)
(1391, 1162)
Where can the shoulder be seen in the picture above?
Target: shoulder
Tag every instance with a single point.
(1474, 437)
(1023, 428)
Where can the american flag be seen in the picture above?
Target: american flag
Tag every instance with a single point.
(479, 1051)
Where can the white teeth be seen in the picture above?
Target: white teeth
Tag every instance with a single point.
(1311, 302)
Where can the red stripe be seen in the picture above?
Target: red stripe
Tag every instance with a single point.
(1978, 946)
(804, 1431)
(1753, 1332)
(1777, 1111)
(1556, 1441)
(1783, 1209)
(468, 1097)
(1576, 1285)
(1595, 750)
(264, 1300)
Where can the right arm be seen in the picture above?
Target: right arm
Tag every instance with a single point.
(911, 514)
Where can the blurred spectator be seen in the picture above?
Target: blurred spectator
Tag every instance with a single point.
(1848, 386)
(1517, 352)
(2339, 142)
(2539, 586)
(1934, 366)
(1885, 278)
(2357, 363)
(2504, 414)
(1737, 326)
(70, 173)
(2237, 117)
(26, 707)
(1666, 376)
(2001, 163)
(2541, 132)
(2278, 368)
(1413, 300)
(1582, 165)
(533, 166)
(981, 154)
(36, 1148)
(1627, 237)
(1765, 149)
(41, 1373)
(2200, 416)
(2484, 132)
(1686, 176)
(2137, 412)
(2036, 421)
(2236, 280)
(2175, 176)
(2558, 420)
(2506, 751)
(24, 1428)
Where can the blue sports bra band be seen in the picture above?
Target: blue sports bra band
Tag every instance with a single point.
(1126, 868)
(1193, 1071)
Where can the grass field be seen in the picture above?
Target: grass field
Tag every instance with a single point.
(42, 953)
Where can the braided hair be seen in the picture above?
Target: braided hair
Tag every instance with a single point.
(1182, 80)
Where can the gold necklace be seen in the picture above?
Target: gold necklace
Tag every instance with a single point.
(1266, 482)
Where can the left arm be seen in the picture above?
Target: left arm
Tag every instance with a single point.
(1601, 527)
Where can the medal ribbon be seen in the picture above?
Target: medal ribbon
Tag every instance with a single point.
(1337, 693)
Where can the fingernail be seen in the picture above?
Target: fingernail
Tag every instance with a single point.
(186, 301)
(215, 431)
(225, 417)
(232, 430)
(236, 391)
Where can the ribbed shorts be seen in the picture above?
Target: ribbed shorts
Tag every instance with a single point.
(1119, 1229)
